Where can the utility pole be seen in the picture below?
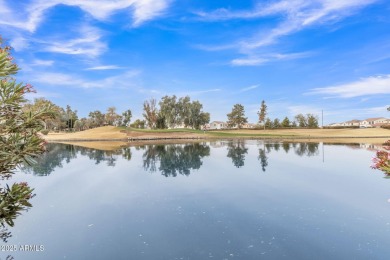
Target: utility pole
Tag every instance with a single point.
(322, 118)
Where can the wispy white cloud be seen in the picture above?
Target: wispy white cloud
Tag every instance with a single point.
(4, 10)
(148, 9)
(295, 16)
(260, 60)
(89, 43)
(28, 67)
(105, 67)
(249, 88)
(249, 61)
(197, 92)
(214, 48)
(363, 87)
(33, 13)
(62, 79)
(123, 81)
(19, 43)
(53, 79)
(38, 62)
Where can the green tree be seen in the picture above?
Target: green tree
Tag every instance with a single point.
(262, 113)
(161, 122)
(196, 117)
(150, 113)
(276, 123)
(70, 117)
(78, 125)
(126, 117)
(237, 116)
(138, 124)
(309, 120)
(312, 121)
(96, 118)
(268, 123)
(301, 120)
(111, 116)
(294, 124)
(184, 108)
(286, 122)
(50, 123)
(20, 141)
(204, 118)
(169, 110)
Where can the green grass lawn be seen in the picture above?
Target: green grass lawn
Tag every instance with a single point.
(178, 130)
(224, 133)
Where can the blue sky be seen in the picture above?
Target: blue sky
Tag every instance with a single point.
(300, 56)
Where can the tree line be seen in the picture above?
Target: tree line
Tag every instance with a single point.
(173, 112)
(236, 119)
(169, 112)
(68, 119)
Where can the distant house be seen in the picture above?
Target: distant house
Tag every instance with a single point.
(374, 122)
(369, 122)
(335, 124)
(353, 122)
(248, 126)
(381, 121)
(218, 125)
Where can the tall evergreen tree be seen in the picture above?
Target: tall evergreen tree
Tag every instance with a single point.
(286, 122)
(268, 123)
(262, 113)
(312, 121)
(276, 123)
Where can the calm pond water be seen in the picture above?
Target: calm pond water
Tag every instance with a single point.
(212, 200)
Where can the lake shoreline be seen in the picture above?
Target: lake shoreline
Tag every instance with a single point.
(111, 134)
(110, 145)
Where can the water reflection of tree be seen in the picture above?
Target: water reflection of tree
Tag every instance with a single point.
(263, 159)
(174, 159)
(54, 157)
(286, 146)
(13, 201)
(58, 154)
(300, 149)
(306, 149)
(237, 151)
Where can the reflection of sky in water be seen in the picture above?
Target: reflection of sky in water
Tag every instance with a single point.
(298, 208)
